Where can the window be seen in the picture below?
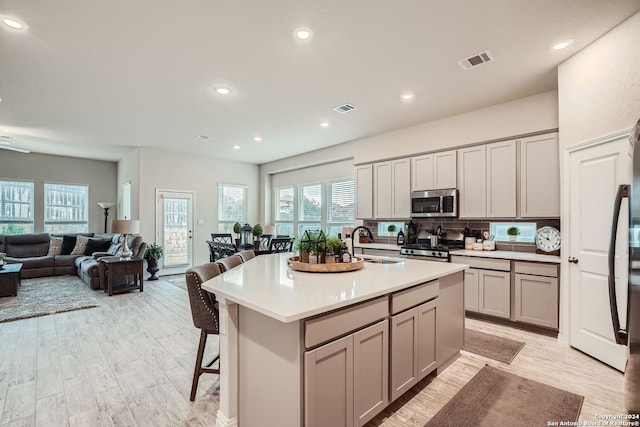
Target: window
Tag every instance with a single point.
(232, 206)
(329, 205)
(310, 208)
(341, 210)
(383, 228)
(126, 200)
(284, 214)
(16, 207)
(66, 208)
(499, 230)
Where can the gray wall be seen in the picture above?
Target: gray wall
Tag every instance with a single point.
(41, 168)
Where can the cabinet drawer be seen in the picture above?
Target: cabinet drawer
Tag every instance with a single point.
(416, 295)
(341, 322)
(536, 268)
(483, 263)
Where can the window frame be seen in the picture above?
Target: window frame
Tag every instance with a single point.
(83, 206)
(226, 225)
(6, 223)
(283, 225)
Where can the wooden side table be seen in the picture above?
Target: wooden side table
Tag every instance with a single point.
(10, 279)
(129, 269)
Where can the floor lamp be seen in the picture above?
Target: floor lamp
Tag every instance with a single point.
(106, 206)
(125, 227)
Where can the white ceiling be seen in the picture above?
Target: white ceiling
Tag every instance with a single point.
(94, 79)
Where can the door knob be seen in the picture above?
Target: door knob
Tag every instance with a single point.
(573, 260)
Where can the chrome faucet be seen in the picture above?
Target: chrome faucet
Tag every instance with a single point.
(353, 233)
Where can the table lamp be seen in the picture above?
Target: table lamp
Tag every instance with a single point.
(125, 227)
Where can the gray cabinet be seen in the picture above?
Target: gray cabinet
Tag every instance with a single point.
(536, 294)
(413, 336)
(471, 286)
(472, 183)
(540, 176)
(391, 189)
(434, 171)
(364, 191)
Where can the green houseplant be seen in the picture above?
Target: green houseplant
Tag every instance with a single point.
(257, 232)
(153, 254)
(391, 228)
(237, 228)
(513, 233)
(333, 245)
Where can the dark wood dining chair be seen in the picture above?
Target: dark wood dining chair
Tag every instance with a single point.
(265, 240)
(222, 238)
(204, 311)
(218, 250)
(281, 244)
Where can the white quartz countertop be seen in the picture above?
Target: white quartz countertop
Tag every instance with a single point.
(517, 256)
(267, 285)
(382, 246)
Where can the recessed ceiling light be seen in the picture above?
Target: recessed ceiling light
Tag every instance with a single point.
(562, 44)
(201, 137)
(324, 124)
(222, 91)
(236, 147)
(258, 139)
(303, 34)
(407, 97)
(13, 23)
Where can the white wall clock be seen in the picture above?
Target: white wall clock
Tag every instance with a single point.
(548, 240)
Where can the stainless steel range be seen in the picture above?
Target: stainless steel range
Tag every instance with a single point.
(423, 250)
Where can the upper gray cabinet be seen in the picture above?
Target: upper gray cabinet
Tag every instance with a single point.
(364, 191)
(391, 189)
(434, 171)
(540, 176)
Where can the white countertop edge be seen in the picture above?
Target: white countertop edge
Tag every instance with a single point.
(221, 295)
(511, 255)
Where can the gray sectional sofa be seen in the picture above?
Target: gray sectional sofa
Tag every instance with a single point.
(32, 250)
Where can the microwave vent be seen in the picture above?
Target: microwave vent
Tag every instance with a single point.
(475, 60)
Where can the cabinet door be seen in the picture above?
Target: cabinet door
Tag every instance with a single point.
(471, 289)
(422, 173)
(501, 180)
(404, 352)
(494, 293)
(401, 194)
(427, 338)
(540, 176)
(382, 189)
(472, 182)
(445, 175)
(370, 371)
(536, 300)
(329, 384)
(364, 191)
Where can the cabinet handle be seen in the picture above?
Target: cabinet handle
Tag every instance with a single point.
(573, 260)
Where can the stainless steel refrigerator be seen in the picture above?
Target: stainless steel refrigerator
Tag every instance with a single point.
(627, 332)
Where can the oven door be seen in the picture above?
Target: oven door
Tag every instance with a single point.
(425, 258)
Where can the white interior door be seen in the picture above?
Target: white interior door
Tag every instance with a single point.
(175, 230)
(595, 173)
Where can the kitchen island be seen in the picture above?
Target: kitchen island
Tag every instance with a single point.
(285, 336)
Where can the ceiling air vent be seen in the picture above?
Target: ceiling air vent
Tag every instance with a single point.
(474, 61)
(344, 108)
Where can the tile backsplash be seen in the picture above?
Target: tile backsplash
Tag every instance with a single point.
(474, 225)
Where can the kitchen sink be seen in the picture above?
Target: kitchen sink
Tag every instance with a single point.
(382, 260)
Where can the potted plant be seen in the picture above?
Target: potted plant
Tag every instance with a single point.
(333, 245)
(513, 233)
(153, 254)
(237, 228)
(257, 232)
(391, 228)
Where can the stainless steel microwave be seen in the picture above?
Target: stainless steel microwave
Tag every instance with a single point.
(434, 203)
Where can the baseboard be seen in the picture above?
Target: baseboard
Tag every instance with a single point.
(223, 421)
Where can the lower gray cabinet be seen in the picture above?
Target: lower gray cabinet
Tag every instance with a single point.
(536, 294)
(346, 380)
(494, 293)
(471, 286)
(413, 346)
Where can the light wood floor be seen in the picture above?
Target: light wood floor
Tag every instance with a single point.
(129, 362)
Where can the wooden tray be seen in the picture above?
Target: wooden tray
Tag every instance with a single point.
(356, 264)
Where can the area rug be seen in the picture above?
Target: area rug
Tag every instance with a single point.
(491, 346)
(47, 295)
(498, 398)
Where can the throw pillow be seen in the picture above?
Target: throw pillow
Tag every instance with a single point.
(55, 246)
(81, 245)
(97, 245)
(68, 243)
